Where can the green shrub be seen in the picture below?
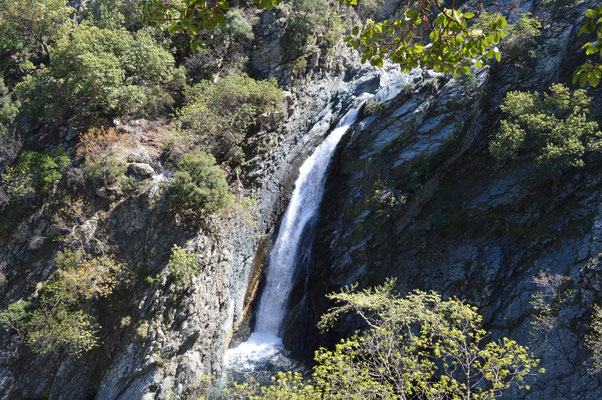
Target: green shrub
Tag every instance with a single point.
(182, 266)
(17, 316)
(237, 28)
(222, 113)
(298, 34)
(554, 126)
(374, 108)
(199, 186)
(27, 31)
(79, 277)
(34, 172)
(52, 330)
(593, 341)
(9, 142)
(8, 109)
(224, 53)
(142, 330)
(334, 29)
(107, 171)
(386, 200)
(113, 14)
(96, 70)
(299, 66)
(58, 322)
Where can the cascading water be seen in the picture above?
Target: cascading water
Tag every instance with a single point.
(265, 342)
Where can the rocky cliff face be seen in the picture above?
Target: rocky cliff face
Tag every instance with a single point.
(415, 195)
(412, 194)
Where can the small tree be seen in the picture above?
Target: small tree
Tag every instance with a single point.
(34, 172)
(418, 345)
(307, 19)
(182, 266)
(59, 321)
(97, 141)
(34, 21)
(554, 125)
(415, 347)
(550, 309)
(17, 317)
(52, 330)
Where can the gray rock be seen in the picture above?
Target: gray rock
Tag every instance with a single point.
(141, 170)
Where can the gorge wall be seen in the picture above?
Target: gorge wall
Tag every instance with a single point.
(464, 228)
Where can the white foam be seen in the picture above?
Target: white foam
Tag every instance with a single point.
(257, 349)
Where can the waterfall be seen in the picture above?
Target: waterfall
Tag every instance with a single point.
(303, 206)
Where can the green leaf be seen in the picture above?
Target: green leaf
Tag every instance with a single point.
(587, 28)
(593, 80)
(591, 14)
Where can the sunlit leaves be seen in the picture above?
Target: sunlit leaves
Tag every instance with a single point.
(191, 16)
(554, 125)
(591, 71)
(421, 37)
(594, 341)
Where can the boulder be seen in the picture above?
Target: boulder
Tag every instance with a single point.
(140, 169)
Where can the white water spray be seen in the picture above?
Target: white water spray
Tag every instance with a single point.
(265, 341)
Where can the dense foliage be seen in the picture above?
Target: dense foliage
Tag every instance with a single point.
(306, 19)
(8, 109)
(190, 17)
(520, 36)
(27, 29)
(97, 70)
(553, 125)
(220, 114)
(198, 187)
(425, 34)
